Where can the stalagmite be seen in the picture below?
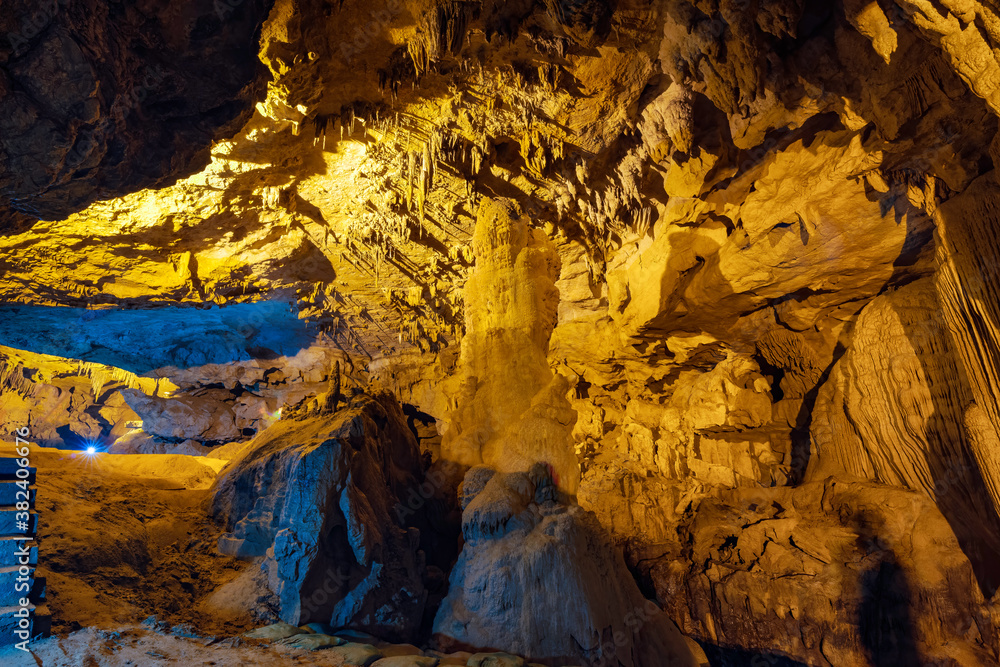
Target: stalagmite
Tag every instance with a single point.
(333, 396)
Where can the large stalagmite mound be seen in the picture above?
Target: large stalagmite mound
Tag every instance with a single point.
(541, 579)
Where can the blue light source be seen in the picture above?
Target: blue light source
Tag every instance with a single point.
(91, 450)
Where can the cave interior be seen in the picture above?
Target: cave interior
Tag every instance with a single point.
(575, 333)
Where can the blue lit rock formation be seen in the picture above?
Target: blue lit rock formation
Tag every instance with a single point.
(317, 496)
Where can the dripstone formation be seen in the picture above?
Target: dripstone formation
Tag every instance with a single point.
(648, 332)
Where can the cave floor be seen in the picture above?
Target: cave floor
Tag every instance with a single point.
(133, 577)
(140, 645)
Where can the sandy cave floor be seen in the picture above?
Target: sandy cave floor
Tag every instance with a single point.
(125, 537)
(141, 646)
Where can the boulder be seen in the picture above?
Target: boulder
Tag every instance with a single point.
(541, 579)
(139, 442)
(318, 498)
(312, 641)
(407, 661)
(359, 655)
(206, 417)
(274, 632)
(495, 660)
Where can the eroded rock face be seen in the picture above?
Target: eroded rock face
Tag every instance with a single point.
(317, 498)
(828, 573)
(202, 418)
(684, 252)
(510, 408)
(897, 409)
(541, 579)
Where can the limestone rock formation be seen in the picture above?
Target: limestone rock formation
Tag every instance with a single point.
(318, 498)
(198, 418)
(725, 270)
(828, 573)
(542, 579)
(510, 408)
(100, 99)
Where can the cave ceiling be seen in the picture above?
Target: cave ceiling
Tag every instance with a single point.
(343, 169)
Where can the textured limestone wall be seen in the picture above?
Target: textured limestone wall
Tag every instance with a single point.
(967, 282)
(698, 257)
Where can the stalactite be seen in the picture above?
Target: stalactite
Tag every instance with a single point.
(427, 167)
(101, 375)
(643, 219)
(440, 30)
(322, 125)
(421, 198)
(347, 119)
(477, 160)
(410, 175)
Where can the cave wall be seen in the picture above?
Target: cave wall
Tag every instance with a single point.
(698, 257)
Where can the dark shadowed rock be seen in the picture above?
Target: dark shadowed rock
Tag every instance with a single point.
(98, 99)
(833, 572)
(318, 497)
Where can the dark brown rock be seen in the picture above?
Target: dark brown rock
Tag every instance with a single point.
(98, 99)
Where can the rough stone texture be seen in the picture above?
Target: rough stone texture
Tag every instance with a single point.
(197, 418)
(895, 409)
(828, 573)
(541, 579)
(317, 497)
(99, 99)
(967, 277)
(511, 411)
(681, 251)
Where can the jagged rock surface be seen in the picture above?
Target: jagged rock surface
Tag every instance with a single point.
(828, 573)
(98, 99)
(541, 579)
(317, 498)
(678, 250)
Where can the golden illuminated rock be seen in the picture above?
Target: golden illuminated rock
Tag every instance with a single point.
(726, 272)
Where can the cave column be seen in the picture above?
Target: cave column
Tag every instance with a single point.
(510, 410)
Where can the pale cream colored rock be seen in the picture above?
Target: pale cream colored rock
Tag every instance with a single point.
(312, 641)
(275, 631)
